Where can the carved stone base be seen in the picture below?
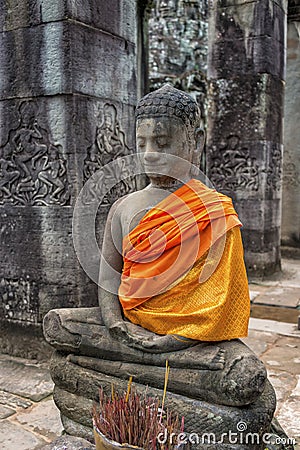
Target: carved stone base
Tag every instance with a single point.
(77, 385)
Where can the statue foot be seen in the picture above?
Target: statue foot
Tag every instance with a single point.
(218, 361)
(200, 356)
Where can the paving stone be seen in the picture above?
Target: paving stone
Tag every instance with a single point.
(273, 326)
(25, 380)
(283, 383)
(8, 399)
(6, 412)
(69, 443)
(284, 353)
(253, 295)
(289, 276)
(279, 296)
(271, 312)
(259, 341)
(289, 417)
(44, 418)
(14, 437)
(296, 391)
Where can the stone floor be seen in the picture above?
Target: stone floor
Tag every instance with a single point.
(29, 419)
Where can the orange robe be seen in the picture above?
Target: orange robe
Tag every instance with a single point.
(183, 270)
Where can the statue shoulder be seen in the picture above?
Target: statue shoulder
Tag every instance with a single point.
(128, 199)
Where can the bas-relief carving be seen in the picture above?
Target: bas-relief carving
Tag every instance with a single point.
(109, 144)
(19, 299)
(178, 45)
(233, 168)
(33, 168)
(274, 169)
(291, 171)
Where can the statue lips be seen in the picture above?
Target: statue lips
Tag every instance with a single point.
(157, 168)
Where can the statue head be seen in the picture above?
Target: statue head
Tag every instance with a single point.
(168, 122)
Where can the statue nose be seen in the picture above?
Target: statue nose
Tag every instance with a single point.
(151, 156)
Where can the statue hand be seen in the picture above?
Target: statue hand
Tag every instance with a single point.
(119, 331)
(165, 344)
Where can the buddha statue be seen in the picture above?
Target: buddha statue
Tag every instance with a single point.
(179, 293)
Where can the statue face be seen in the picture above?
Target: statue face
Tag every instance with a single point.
(159, 137)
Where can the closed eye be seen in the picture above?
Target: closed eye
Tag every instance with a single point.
(141, 143)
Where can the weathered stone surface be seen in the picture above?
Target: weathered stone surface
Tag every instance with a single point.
(43, 419)
(249, 19)
(41, 67)
(69, 443)
(281, 296)
(254, 104)
(76, 429)
(289, 416)
(13, 401)
(119, 20)
(94, 78)
(254, 57)
(290, 356)
(12, 436)
(76, 407)
(293, 10)
(283, 384)
(64, 66)
(182, 58)
(291, 157)
(225, 3)
(25, 380)
(5, 412)
(258, 341)
(33, 345)
(26, 14)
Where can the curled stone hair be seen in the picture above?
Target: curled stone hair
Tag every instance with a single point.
(171, 102)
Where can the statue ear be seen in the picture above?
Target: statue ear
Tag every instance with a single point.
(197, 149)
(199, 139)
(199, 145)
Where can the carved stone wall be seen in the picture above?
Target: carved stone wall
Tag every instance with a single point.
(291, 158)
(67, 98)
(178, 45)
(246, 66)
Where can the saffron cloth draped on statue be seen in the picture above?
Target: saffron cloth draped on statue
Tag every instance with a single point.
(183, 270)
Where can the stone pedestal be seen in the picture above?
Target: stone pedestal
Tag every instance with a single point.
(244, 150)
(291, 158)
(78, 378)
(67, 98)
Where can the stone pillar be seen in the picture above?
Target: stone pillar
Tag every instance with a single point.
(291, 157)
(246, 84)
(67, 98)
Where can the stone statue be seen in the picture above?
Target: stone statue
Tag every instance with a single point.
(215, 380)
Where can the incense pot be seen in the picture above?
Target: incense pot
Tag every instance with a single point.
(103, 443)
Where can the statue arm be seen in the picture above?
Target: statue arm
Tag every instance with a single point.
(111, 264)
(110, 270)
